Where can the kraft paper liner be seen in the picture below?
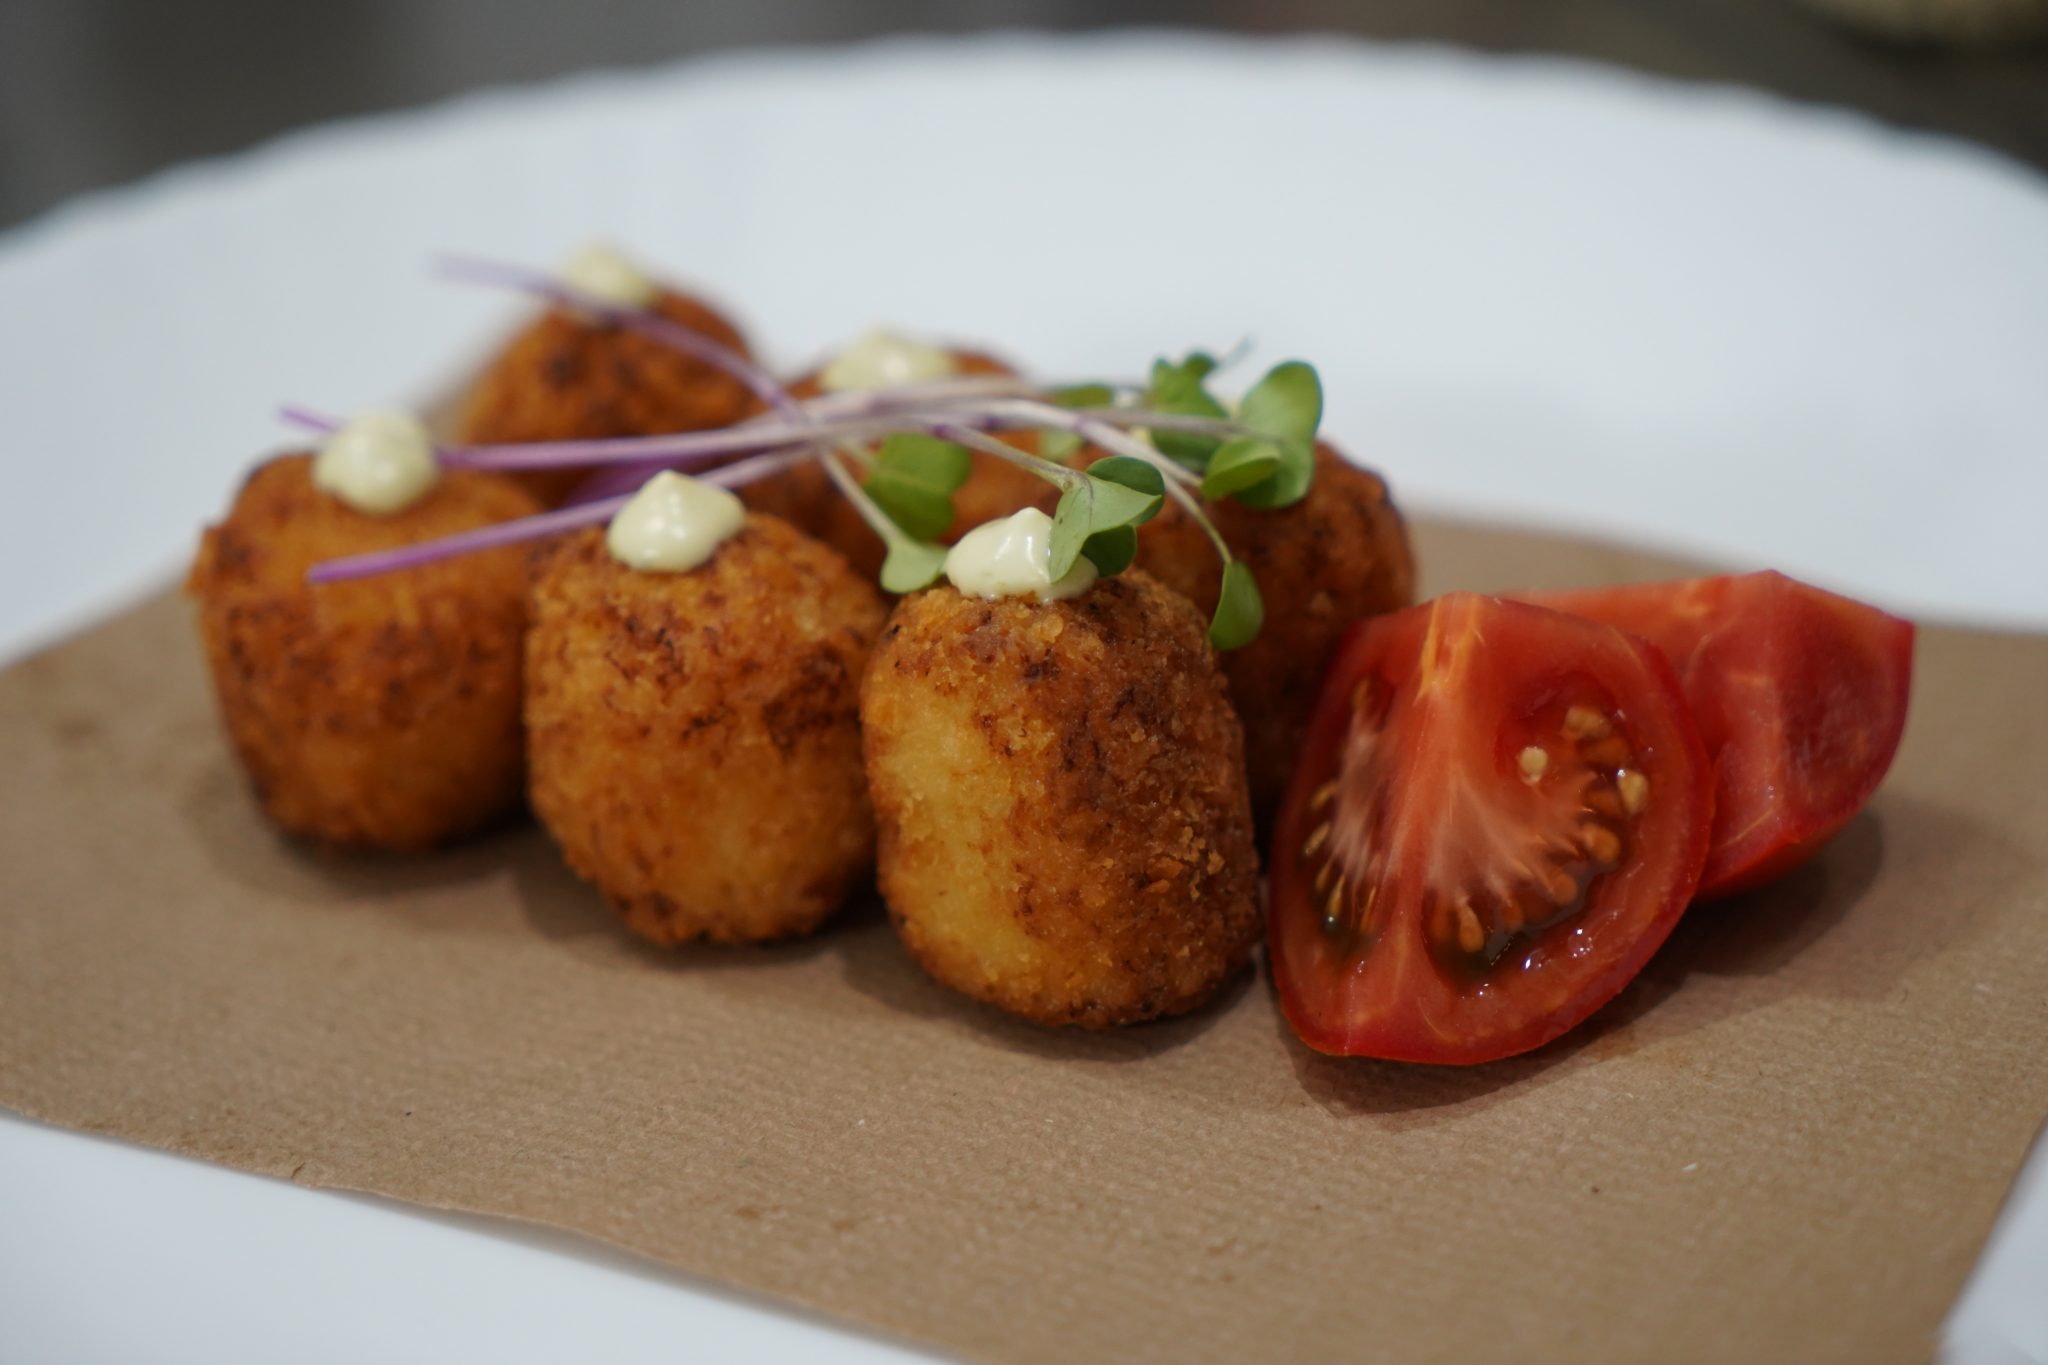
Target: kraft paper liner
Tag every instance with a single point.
(1787, 1140)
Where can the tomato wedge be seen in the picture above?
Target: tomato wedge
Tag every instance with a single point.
(1500, 813)
(1799, 694)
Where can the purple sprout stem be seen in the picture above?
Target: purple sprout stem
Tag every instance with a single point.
(297, 416)
(880, 522)
(683, 447)
(1110, 438)
(1052, 471)
(740, 473)
(483, 538)
(735, 475)
(1166, 421)
(964, 389)
(646, 321)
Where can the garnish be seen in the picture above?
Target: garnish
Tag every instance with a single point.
(1170, 438)
(1284, 408)
(537, 527)
(1179, 389)
(914, 478)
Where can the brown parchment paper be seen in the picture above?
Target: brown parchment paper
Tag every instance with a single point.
(1786, 1141)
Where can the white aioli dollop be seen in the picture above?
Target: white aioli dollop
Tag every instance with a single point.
(673, 524)
(607, 276)
(379, 462)
(880, 359)
(1013, 558)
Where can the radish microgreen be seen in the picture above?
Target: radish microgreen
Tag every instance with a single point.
(914, 478)
(1169, 438)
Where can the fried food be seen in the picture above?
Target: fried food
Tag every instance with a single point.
(568, 377)
(377, 713)
(1338, 555)
(1059, 790)
(806, 498)
(694, 738)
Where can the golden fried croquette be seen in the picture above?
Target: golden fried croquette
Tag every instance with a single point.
(568, 377)
(1338, 555)
(381, 712)
(806, 498)
(1059, 791)
(694, 738)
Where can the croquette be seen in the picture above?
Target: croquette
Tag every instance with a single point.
(568, 377)
(376, 713)
(1064, 830)
(1335, 557)
(806, 497)
(694, 738)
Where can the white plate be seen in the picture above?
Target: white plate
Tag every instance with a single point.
(1538, 291)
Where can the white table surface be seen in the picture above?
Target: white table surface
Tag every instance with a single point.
(1538, 291)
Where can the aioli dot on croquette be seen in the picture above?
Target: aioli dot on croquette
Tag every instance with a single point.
(1060, 797)
(571, 378)
(1337, 556)
(694, 738)
(377, 713)
(807, 499)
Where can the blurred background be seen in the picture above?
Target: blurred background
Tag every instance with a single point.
(95, 92)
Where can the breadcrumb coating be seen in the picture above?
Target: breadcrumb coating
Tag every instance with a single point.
(569, 378)
(1059, 790)
(694, 738)
(381, 712)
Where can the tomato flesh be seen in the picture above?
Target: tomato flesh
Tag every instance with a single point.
(1800, 695)
(1499, 814)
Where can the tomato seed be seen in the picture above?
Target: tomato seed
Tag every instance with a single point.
(1602, 844)
(1583, 722)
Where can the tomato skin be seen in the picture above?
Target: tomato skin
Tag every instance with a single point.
(1468, 678)
(1800, 695)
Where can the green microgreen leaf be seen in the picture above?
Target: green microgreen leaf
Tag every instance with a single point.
(912, 564)
(913, 480)
(1120, 504)
(1287, 404)
(1089, 506)
(1084, 396)
(1286, 407)
(1178, 389)
(1070, 529)
(1134, 473)
(1057, 443)
(1238, 464)
(1239, 611)
(1288, 484)
(1111, 551)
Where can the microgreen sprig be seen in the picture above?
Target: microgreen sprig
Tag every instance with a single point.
(1169, 438)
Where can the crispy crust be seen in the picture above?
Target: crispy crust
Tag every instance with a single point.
(805, 497)
(565, 378)
(1338, 555)
(694, 738)
(379, 713)
(1059, 790)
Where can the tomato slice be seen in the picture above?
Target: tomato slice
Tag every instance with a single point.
(1500, 813)
(1799, 694)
